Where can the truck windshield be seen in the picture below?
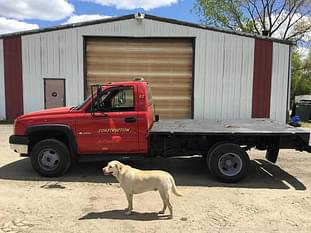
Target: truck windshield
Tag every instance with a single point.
(78, 107)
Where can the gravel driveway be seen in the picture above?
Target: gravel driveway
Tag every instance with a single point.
(272, 198)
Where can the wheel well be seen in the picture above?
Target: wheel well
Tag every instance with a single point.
(38, 136)
(259, 142)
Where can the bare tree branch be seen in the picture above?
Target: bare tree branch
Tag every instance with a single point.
(300, 17)
(258, 13)
(280, 10)
(264, 14)
(287, 16)
(251, 13)
(269, 9)
(299, 34)
(289, 25)
(237, 16)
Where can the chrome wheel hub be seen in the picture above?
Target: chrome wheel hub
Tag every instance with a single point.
(48, 159)
(230, 164)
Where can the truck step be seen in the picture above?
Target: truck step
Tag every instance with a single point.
(103, 158)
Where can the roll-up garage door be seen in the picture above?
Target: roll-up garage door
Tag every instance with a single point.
(167, 65)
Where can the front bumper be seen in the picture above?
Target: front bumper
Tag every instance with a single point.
(19, 144)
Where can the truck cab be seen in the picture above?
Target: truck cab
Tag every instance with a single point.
(114, 120)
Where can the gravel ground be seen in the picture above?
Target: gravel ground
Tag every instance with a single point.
(272, 198)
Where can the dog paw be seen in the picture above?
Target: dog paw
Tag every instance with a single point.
(128, 213)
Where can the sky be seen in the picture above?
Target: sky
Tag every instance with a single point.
(19, 15)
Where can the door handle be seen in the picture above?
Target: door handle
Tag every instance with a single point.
(98, 114)
(130, 119)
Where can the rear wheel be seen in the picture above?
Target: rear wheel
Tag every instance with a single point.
(50, 158)
(228, 162)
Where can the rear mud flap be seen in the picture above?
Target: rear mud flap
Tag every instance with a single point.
(273, 149)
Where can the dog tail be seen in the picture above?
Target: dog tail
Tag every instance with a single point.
(174, 189)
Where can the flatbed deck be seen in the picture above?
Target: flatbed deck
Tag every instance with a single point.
(209, 127)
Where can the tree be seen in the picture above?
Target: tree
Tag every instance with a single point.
(285, 19)
(306, 67)
(296, 74)
(301, 75)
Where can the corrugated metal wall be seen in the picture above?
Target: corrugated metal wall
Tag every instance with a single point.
(228, 77)
(52, 55)
(2, 85)
(279, 86)
(262, 79)
(223, 70)
(32, 73)
(13, 77)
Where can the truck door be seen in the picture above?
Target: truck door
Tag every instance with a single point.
(113, 126)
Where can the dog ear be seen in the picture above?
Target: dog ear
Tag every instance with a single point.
(119, 167)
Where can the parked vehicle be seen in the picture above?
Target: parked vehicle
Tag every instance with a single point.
(117, 121)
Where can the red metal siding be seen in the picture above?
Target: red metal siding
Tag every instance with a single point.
(262, 79)
(13, 77)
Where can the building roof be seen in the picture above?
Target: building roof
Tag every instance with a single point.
(150, 17)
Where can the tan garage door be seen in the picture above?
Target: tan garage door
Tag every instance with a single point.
(165, 63)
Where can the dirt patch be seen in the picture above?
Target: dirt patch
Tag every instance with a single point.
(272, 198)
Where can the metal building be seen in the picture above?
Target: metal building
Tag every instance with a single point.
(194, 71)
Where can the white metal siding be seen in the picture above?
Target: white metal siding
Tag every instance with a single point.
(33, 90)
(51, 55)
(228, 77)
(2, 87)
(279, 82)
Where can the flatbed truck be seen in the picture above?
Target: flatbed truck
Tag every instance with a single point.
(118, 121)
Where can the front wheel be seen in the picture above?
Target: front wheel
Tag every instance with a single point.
(228, 162)
(50, 158)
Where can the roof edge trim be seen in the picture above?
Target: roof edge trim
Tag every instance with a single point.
(150, 17)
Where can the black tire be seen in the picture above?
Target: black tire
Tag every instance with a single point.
(228, 162)
(50, 158)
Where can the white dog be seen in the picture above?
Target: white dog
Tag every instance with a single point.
(134, 181)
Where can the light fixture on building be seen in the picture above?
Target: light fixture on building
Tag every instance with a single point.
(139, 16)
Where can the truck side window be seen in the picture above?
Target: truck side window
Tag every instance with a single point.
(123, 99)
(115, 100)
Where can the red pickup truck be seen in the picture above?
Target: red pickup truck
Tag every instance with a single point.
(117, 122)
